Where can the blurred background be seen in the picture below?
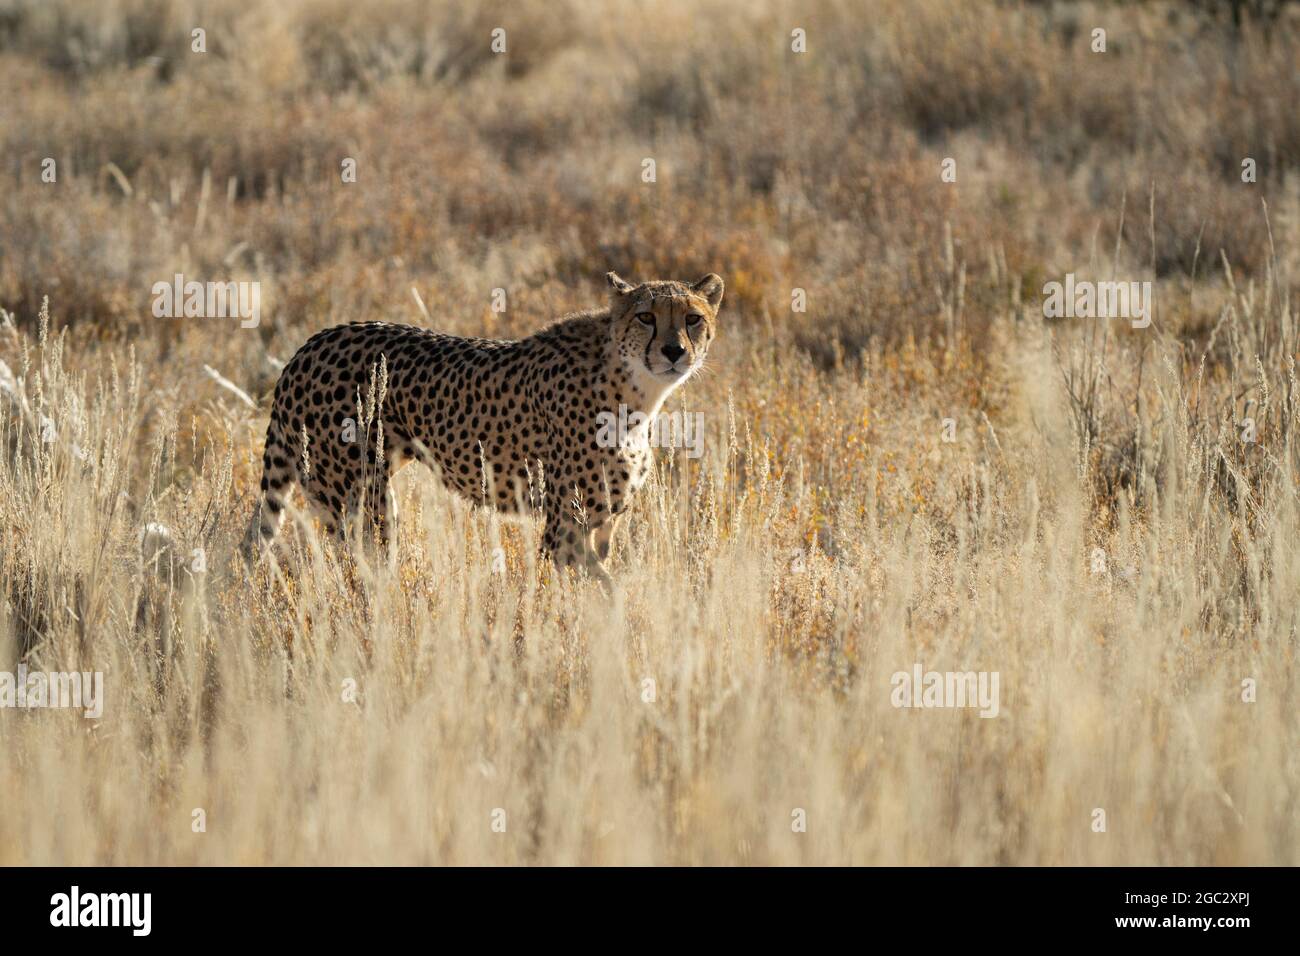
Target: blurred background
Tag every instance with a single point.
(837, 529)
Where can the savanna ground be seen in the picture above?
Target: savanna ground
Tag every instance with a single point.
(1114, 528)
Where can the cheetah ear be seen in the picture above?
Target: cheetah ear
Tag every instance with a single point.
(711, 288)
(617, 284)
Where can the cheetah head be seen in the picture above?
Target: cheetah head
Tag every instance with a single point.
(662, 330)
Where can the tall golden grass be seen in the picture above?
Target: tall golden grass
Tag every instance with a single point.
(330, 710)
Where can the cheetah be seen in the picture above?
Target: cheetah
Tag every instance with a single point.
(506, 424)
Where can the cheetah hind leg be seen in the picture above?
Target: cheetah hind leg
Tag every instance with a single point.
(380, 521)
(371, 522)
(377, 512)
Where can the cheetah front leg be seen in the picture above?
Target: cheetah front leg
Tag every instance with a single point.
(570, 543)
(602, 537)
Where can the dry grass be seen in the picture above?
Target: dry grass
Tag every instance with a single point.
(524, 691)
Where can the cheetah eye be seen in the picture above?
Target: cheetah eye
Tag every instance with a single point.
(694, 319)
(647, 317)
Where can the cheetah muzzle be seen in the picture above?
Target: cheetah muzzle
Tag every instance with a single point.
(508, 424)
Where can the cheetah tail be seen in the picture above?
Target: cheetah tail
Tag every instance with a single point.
(278, 480)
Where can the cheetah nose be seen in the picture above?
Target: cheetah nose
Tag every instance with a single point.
(673, 352)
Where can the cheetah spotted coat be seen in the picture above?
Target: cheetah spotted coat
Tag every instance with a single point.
(509, 424)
